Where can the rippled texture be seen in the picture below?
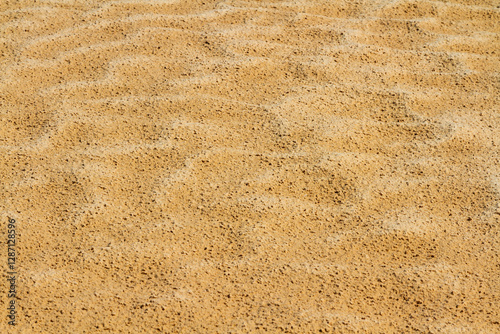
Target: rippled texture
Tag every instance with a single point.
(252, 166)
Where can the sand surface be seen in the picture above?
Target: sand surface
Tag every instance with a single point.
(251, 166)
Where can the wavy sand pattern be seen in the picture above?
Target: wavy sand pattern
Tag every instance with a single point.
(252, 166)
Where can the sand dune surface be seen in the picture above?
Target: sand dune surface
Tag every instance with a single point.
(251, 166)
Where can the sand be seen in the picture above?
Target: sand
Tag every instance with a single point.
(251, 166)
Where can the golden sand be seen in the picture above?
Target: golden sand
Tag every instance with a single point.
(251, 166)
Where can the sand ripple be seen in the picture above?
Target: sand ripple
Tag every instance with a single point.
(253, 166)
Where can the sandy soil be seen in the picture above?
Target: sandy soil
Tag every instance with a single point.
(251, 166)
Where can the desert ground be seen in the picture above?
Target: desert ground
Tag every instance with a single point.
(251, 166)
